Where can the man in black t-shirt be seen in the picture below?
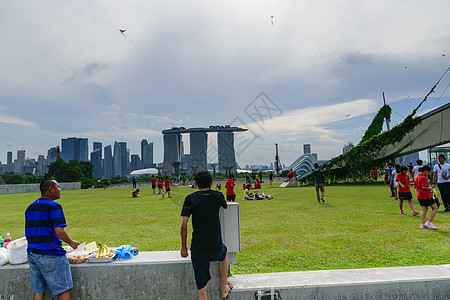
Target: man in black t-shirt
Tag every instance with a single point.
(206, 244)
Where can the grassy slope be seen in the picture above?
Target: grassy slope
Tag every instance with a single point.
(357, 227)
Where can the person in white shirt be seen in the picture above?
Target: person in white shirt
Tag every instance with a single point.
(415, 170)
(441, 176)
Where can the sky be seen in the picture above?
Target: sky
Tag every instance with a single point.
(292, 72)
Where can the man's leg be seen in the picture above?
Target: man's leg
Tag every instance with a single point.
(202, 294)
(38, 296)
(64, 295)
(391, 186)
(224, 288)
(446, 195)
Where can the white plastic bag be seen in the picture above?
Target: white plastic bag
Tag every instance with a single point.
(3, 258)
(17, 251)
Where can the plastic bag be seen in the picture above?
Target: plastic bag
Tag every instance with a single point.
(125, 251)
(3, 257)
(17, 251)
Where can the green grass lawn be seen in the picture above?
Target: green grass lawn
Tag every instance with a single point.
(359, 226)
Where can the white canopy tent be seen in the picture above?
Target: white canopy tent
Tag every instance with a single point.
(143, 172)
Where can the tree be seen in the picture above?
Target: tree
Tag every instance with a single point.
(71, 171)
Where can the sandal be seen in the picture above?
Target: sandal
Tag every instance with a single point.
(229, 292)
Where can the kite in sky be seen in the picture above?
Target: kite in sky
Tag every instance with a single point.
(122, 32)
(271, 19)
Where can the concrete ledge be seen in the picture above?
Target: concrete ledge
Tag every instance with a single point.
(418, 282)
(34, 187)
(149, 275)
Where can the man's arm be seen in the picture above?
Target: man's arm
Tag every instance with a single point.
(63, 235)
(435, 177)
(184, 226)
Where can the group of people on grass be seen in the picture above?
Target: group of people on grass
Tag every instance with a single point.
(399, 183)
(163, 187)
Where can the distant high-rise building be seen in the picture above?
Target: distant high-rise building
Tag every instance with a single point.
(172, 150)
(135, 162)
(52, 155)
(144, 143)
(225, 144)
(96, 160)
(9, 159)
(19, 163)
(108, 163)
(120, 158)
(147, 160)
(198, 147)
(306, 148)
(41, 166)
(74, 148)
(83, 149)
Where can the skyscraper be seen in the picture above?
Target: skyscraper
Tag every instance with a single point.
(143, 144)
(306, 148)
(96, 160)
(172, 149)
(74, 148)
(198, 147)
(9, 157)
(120, 159)
(147, 161)
(225, 144)
(41, 166)
(135, 162)
(51, 155)
(19, 163)
(108, 164)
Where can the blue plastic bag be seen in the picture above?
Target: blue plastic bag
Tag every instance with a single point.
(125, 252)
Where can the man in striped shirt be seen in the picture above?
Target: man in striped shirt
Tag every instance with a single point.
(44, 229)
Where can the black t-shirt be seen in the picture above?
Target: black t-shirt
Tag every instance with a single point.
(204, 207)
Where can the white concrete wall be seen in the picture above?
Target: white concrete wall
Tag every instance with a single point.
(34, 188)
(161, 275)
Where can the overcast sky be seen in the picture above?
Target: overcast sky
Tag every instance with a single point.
(313, 73)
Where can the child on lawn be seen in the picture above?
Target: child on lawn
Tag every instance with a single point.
(404, 192)
(424, 196)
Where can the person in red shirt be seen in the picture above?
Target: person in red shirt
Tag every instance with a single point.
(160, 185)
(257, 185)
(291, 174)
(375, 175)
(424, 196)
(153, 180)
(404, 192)
(167, 183)
(229, 186)
(135, 193)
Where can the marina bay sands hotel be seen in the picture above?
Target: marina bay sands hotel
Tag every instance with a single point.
(198, 138)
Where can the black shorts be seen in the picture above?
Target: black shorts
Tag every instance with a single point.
(405, 196)
(231, 198)
(426, 202)
(200, 263)
(167, 189)
(153, 186)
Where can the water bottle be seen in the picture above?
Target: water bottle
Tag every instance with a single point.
(1, 241)
(7, 240)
